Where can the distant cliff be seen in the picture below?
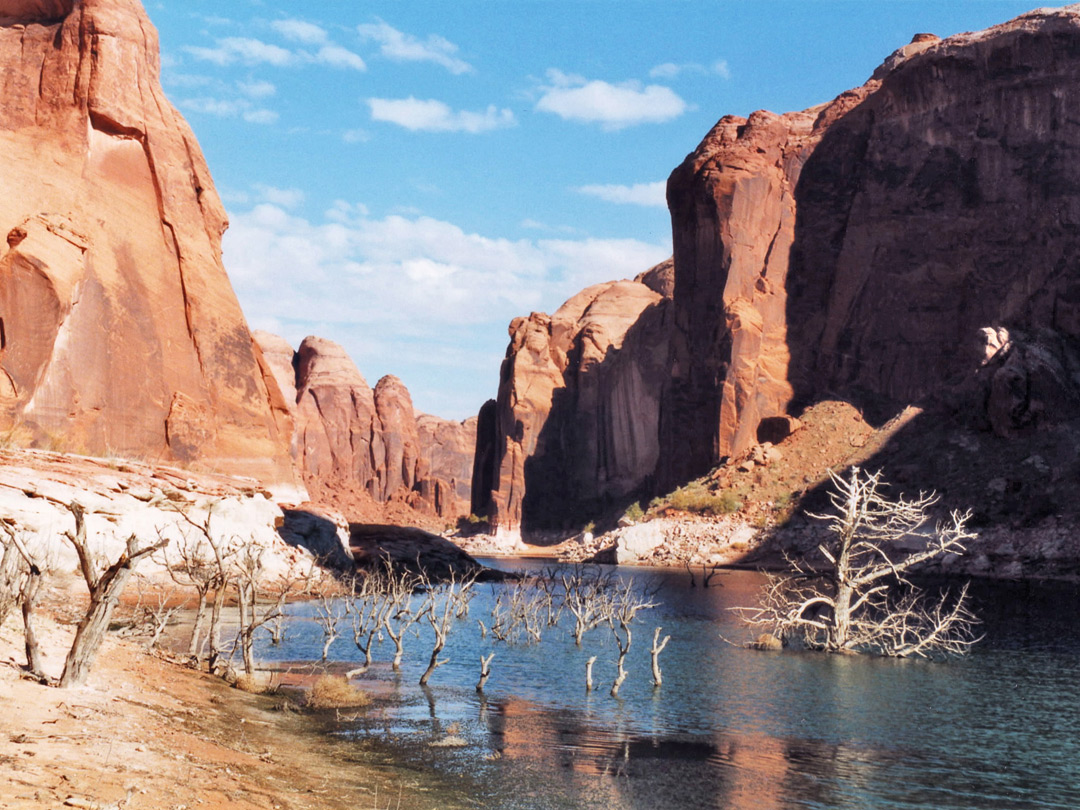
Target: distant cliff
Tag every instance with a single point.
(358, 447)
(915, 240)
(575, 425)
(119, 330)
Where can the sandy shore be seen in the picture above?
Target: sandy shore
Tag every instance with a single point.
(148, 733)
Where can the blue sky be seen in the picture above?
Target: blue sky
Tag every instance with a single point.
(406, 177)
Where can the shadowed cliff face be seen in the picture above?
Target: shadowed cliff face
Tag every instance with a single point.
(862, 250)
(574, 428)
(119, 330)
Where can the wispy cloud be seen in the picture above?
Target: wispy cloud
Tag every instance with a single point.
(251, 52)
(430, 115)
(256, 88)
(301, 31)
(672, 70)
(243, 50)
(647, 194)
(229, 108)
(402, 47)
(613, 106)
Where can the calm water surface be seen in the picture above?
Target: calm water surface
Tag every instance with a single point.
(735, 728)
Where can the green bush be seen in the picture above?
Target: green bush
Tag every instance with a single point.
(696, 498)
(634, 512)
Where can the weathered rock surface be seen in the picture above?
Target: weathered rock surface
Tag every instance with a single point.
(857, 249)
(119, 331)
(447, 448)
(357, 447)
(575, 425)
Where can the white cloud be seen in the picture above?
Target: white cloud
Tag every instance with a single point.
(300, 31)
(410, 295)
(256, 89)
(356, 136)
(431, 115)
(339, 57)
(401, 47)
(613, 106)
(244, 50)
(229, 108)
(283, 197)
(671, 70)
(647, 194)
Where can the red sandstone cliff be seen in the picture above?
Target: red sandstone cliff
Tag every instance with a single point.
(119, 330)
(917, 239)
(358, 448)
(861, 249)
(575, 425)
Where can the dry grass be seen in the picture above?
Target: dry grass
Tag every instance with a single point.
(698, 499)
(335, 692)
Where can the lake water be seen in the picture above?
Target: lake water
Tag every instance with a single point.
(730, 727)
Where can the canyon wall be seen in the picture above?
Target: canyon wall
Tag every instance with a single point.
(575, 425)
(863, 249)
(915, 240)
(358, 447)
(119, 330)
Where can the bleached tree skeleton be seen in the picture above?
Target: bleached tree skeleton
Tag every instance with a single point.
(863, 601)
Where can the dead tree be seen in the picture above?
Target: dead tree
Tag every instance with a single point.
(330, 607)
(259, 600)
(485, 671)
(212, 570)
(441, 616)
(586, 597)
(105, 588)
(400, 585)
(861, 599)
(21, 575)
(657, 648)
(369, 602)
(626, 602)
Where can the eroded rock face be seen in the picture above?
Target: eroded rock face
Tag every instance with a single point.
(576, 422)
(354, 442)
(119, 330)
(854, 249)
(447, 448)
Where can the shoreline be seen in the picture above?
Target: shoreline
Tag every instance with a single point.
(146, 732)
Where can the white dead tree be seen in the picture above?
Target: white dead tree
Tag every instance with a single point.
(441, 615)
(658, 646)
(368, 600)
(400, 616)
(623, 607)
(105, 587)
(586, 596)
(21, 575)
(862, 600)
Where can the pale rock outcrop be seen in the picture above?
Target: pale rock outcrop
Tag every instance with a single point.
(119, 330)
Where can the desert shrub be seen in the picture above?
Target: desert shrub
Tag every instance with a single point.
(249, 683)
(696, 498)
(634, 512)
(335, 692)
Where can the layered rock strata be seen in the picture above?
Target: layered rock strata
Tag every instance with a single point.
(859, 249)
(119, 330)
(357, 446)
(575, 425)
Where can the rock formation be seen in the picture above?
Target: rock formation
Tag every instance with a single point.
(119, 330)
(575, 426)
(858, 249)
(357, 447)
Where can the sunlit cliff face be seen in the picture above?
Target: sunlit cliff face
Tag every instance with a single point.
(34, 10)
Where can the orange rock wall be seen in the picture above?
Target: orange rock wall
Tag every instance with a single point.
(119, 330)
